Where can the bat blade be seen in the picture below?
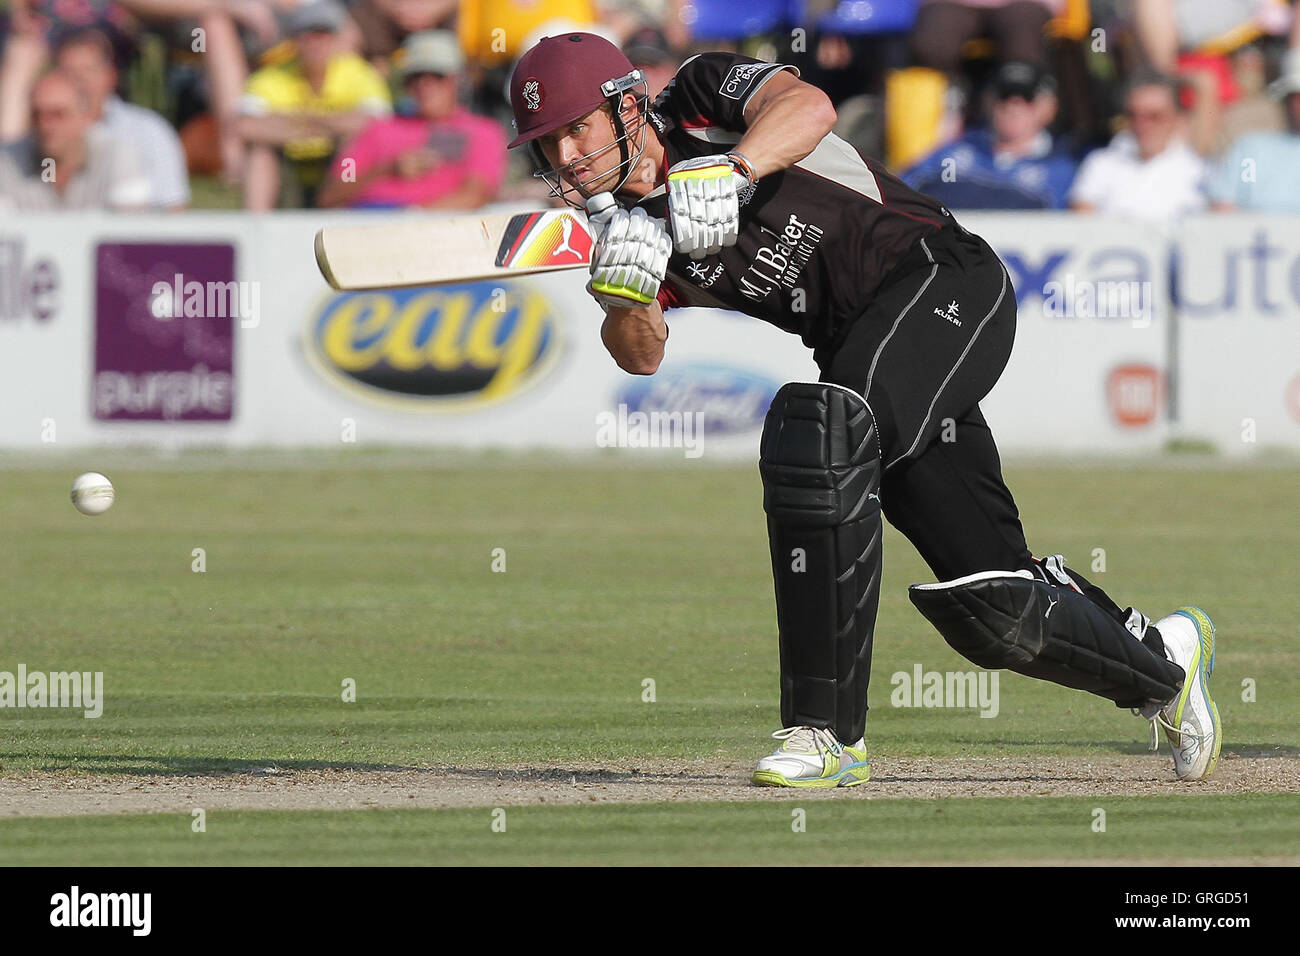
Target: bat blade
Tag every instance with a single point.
(453, 249)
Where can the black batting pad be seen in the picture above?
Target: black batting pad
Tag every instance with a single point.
(1010, 619)
(820, 461)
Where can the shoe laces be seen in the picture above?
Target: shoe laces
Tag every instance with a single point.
(808, 740)
(1159, 721)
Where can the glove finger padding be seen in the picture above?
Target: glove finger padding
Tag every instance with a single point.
(704, 205)
(630, 261)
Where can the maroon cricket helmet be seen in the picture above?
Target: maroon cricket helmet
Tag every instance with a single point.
(560, 80)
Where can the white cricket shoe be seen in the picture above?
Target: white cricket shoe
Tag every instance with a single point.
(1191, 720)
(813, 757)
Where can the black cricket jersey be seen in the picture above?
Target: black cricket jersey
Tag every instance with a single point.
(816, 240)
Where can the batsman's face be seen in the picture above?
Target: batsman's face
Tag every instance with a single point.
(585, 153)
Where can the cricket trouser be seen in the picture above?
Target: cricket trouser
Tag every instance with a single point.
(933, 343)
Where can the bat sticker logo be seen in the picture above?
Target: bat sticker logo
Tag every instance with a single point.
(566, 232)
(532, 92)
(534, 240)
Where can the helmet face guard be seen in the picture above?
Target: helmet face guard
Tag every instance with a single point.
(574, 193)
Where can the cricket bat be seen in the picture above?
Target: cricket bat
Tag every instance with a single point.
(453, 249)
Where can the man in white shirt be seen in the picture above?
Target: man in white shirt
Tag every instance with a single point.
(87, 56)
(69, 162)
(1148, 171)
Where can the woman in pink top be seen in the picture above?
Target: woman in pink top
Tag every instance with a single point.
(443, 157)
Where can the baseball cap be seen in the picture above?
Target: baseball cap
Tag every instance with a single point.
(326, 15)
(1021, 79)
(649, 47)
(430, 51)
(559, 80)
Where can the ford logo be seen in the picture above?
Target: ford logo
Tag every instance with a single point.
(732, 399)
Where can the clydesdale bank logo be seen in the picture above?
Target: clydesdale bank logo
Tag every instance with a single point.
(741, 79)
(444, 348)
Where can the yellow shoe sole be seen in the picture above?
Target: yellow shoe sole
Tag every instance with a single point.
(1205, 667)
(850, 776)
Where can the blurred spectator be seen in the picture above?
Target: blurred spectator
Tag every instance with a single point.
(301, 109)
(32, 26)
(69, 162)
(384, 24)
(1261, 171)
(1168, 29)
(927, 104)
(1016, 27)
(625, 18)
(1255, 111)
(36, 24)
(1193, 39)
(1016, 163)
(87, 56)
(443, 157)
(649, 51)
(1148, 171)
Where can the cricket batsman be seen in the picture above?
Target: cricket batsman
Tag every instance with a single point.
(731, 191)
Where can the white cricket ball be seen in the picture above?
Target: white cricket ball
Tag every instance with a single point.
(92, 493)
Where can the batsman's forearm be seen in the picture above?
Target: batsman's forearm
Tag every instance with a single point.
(636, 337)
(788, 128)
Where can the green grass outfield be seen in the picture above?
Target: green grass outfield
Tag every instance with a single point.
(379, 570)
(1241, 828)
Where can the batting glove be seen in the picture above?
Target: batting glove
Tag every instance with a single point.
(630, 260)
(704, 205)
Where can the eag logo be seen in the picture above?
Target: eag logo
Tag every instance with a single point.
(448, 348)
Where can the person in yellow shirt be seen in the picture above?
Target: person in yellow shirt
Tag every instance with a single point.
(302, 109)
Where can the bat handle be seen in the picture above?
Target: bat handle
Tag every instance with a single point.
(600, 208)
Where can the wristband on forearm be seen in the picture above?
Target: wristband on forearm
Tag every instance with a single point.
(742, 165)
